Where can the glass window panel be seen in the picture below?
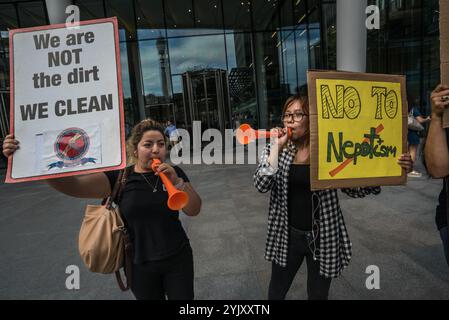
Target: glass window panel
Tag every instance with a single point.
(179, 16)
(241, 80)
(315, 48)
(150, 19)
(302, 55)
(126, 87)
(186, 18)
(287, 14)
(178, 101)
(299, 11)
(287, 51)
(200, 52)
(404, 19)
(330, 34)
(154, 62)
(156, 79)
(90, 9)
(124, 11)
(8, 20)
(8, 17)
(313, 12)
(265, 15)
(208, 15)
(31, 14)
(237, 15)
(271, 93)
(431, 17)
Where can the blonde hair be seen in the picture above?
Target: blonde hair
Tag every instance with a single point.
(137, 134)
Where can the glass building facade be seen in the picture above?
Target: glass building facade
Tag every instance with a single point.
(226, 62)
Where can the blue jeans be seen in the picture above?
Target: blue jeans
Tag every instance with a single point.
(444, 234)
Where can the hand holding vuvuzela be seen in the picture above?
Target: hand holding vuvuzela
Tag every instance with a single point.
(245, 134)
(176, 199)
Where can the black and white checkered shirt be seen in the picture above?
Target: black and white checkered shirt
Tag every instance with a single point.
(334, 250)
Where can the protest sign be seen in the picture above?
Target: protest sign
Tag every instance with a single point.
(358, 129)
(444, 51)
(66, 100)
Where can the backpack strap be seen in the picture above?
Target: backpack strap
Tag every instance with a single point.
(116, 196)
(118, 188)
(127, 265)
(123, 179)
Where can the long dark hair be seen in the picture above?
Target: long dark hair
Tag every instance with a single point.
(304, 101)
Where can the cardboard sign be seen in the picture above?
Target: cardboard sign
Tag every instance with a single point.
(66, 100)
(444, 50)
(358, 129)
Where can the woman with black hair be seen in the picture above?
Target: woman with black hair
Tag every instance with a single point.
(162, 256)
(303, 224)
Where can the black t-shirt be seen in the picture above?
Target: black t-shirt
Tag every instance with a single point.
(441, 212)
(300, 198)
(155, 230)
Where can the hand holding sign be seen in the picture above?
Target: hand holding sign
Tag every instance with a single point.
(440, 100)
(10, 145)
(67, 103)
(358, 129)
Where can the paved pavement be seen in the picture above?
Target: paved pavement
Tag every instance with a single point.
(394, 231)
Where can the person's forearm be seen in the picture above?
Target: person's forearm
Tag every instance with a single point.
(194, 205)
(273, 157)
(436, 151)
(64, 185)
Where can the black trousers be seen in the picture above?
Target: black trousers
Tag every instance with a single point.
(282, 278)
(171, 278)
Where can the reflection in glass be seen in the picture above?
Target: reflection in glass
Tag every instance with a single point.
(150, 19)
(124, 11)
(302, 55)
(330, 34)
(271, 92)
(8, 20)
(126, 88)
(206, 98)
(287, 14)
(265, 15)
(31, 14)
(198, 67)
(237, 15)
(242, 88)
(188, 18)
(200, 52)
(156, 79)
(287, 51)
(8, 17)
(315, 48)
(90, 9)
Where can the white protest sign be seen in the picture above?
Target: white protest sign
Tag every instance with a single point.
(66, 100)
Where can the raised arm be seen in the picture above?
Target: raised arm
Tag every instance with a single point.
(436, 150)
(193, 208)
(94, 185)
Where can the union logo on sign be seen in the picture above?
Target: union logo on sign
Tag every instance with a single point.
(71, 146)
